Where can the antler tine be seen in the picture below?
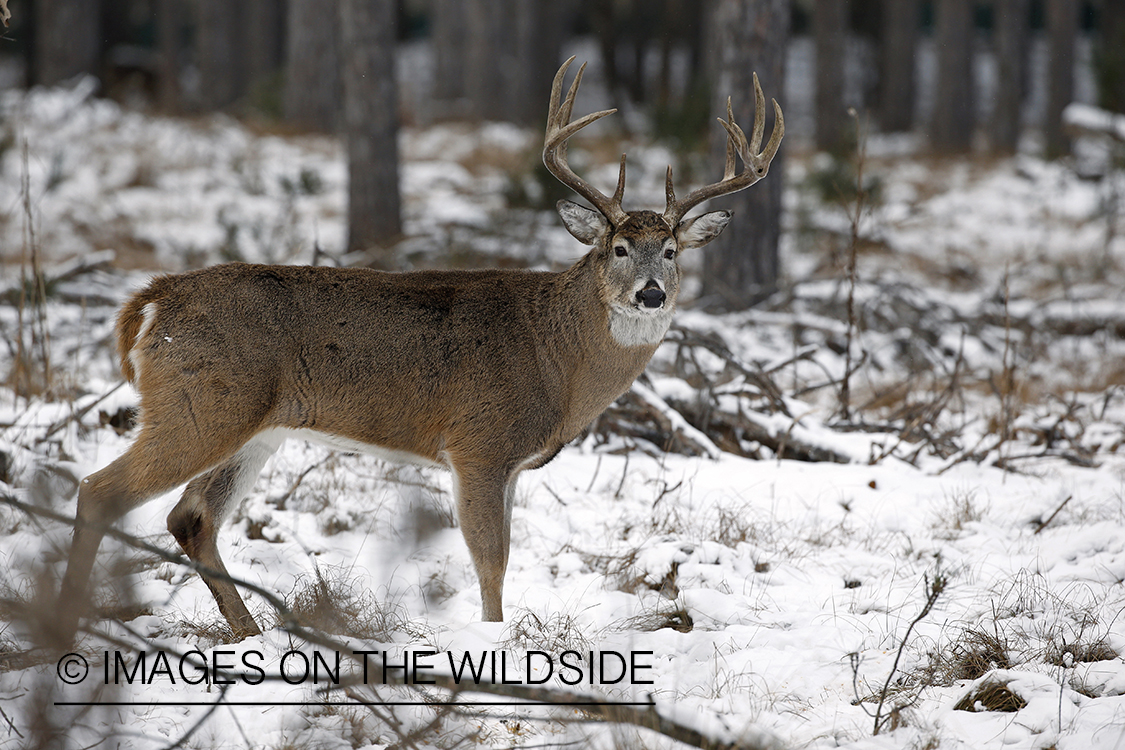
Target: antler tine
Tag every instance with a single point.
(755, 163)
(572, 92)
(619, 193)
(728, 169)
(559, 129)
(759, 117)
(778, 133)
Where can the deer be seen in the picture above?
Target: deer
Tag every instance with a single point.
(486, 373)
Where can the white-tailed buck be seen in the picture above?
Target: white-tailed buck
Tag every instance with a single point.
(486, 373)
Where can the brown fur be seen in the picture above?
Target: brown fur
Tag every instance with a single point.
(485, 372)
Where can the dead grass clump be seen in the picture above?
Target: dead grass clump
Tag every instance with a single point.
(991, 696)
(212, 632)
(621, 571)
(557, 633)
(671, 615)
(333, 601)
(972, 656)
(1068, 654)
(735, 526)
(959, 510)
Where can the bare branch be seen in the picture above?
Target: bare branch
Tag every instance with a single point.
(646, 717)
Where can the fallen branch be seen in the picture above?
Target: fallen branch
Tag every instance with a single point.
(1084, 119)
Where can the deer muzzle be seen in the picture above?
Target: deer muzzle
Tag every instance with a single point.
(652, 295)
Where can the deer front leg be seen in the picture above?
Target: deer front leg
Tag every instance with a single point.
(484, 507)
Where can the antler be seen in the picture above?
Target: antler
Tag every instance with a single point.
(559, 129)
(755, 164)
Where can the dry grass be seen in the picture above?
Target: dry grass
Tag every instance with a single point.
(554, 633)
(1062, 654)
(673, 615)
(973, 655)
(333, 600)
(958, 510)
(991, 696)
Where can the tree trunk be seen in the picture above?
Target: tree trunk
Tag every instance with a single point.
(67, 40)
(830, 29)
(450, 54)
(313, 95)
(951, 125)
(1062, 27)
(222, 68)
(171, 20)
(513, 49)
(491, 59)
(602, 17)
(540, 31)
(741, 267)
(1110, 56)
(1011, 28)
(896, 64)
(371, 126)
(265, 40)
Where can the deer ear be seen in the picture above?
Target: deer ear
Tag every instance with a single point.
(699, 230)
(586, 225)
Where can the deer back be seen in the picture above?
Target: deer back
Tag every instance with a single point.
(508, 363)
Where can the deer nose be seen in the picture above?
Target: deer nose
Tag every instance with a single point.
(652, 295)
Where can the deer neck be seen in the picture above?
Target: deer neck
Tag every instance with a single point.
(591, 362)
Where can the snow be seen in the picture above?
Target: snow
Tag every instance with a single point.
(755, 584)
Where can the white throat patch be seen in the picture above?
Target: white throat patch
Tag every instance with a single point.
(631, 326)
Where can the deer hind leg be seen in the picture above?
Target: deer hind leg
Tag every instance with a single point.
(205, 504)
(155, 464)
(484, 507)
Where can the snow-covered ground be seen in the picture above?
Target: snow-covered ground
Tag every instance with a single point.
(754, 595)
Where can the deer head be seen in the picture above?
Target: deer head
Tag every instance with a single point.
(637, 251)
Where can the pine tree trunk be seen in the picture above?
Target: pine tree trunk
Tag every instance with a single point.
(222, 66)
(830, 28)
(896, 64)
(171, 18)
(951, 126)
(67, 39)
(741, 267)
(1110, 56)
(513, 49)
(539, 39)
(490, 59)
(313, 96)
(1062, 27)
(1011, 30)
(450, 54)
(264, 39)
(371, 126)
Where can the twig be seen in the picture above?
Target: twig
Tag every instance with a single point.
(1051, 517)
(11, 727)
(854, 217)
(279, 502)
(78, 415)
(935, 589)
(687, 338)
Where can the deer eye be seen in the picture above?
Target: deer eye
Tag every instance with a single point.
(670, 252)
(620, 251)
